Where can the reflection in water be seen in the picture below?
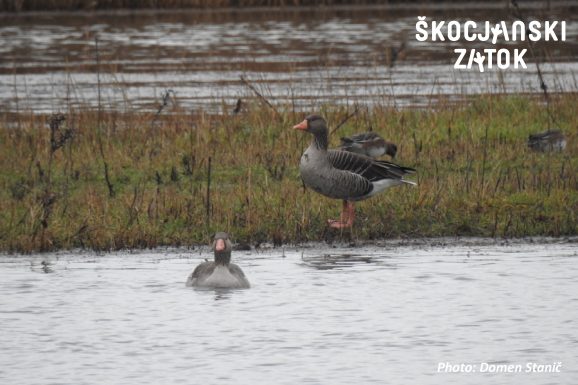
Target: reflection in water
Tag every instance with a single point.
(333, 261)
(218, 293)
(44, 266)
(332, 316)
(305, 57)
(222, 294)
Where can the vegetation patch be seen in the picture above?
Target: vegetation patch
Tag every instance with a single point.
(113, 181)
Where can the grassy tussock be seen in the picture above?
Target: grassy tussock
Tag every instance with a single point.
(476, 177)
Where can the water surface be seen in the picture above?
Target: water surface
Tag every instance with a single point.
(303, 57)
(364, 315)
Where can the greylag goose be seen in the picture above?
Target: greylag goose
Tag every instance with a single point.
(221, 273)
(553, 140)
(368, 144)
(344, 175)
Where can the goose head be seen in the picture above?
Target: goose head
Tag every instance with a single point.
(314, 124)
(390, 149)
(317, 126)
(222, 248)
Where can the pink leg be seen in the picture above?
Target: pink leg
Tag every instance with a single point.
(346, 218)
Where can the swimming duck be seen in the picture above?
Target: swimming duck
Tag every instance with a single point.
(368, 144)
(552, 140)
(220, 274)
(344, 175)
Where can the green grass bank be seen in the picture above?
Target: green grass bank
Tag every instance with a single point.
(137, 180)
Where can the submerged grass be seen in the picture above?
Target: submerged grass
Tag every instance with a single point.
(476, 176)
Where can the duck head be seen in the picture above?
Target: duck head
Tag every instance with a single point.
(222, 248)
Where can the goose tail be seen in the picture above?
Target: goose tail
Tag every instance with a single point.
(409, 182)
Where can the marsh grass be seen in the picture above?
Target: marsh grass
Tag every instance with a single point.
(476, 176)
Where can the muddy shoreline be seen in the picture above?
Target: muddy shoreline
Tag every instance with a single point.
(335, 247)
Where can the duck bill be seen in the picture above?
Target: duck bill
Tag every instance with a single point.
(301, 126)
(220, 245)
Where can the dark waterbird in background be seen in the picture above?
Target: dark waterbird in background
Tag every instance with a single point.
(221, 273)
(344, 175)
(552, 140)
(368, 144)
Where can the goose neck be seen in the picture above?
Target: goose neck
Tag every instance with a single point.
(320, 141)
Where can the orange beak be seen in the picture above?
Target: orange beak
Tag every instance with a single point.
(220, 245)
(302, 126)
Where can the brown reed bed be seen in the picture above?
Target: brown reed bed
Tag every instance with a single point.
(113, 180)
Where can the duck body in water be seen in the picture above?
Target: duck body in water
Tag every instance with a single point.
(220, 273)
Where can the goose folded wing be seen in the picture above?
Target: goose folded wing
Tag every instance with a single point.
(366, 167)
(363, 138)
(204, 269)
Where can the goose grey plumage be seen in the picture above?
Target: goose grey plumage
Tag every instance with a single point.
(552, 140)
(368, 144)
(344, 175)
(220, 273)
